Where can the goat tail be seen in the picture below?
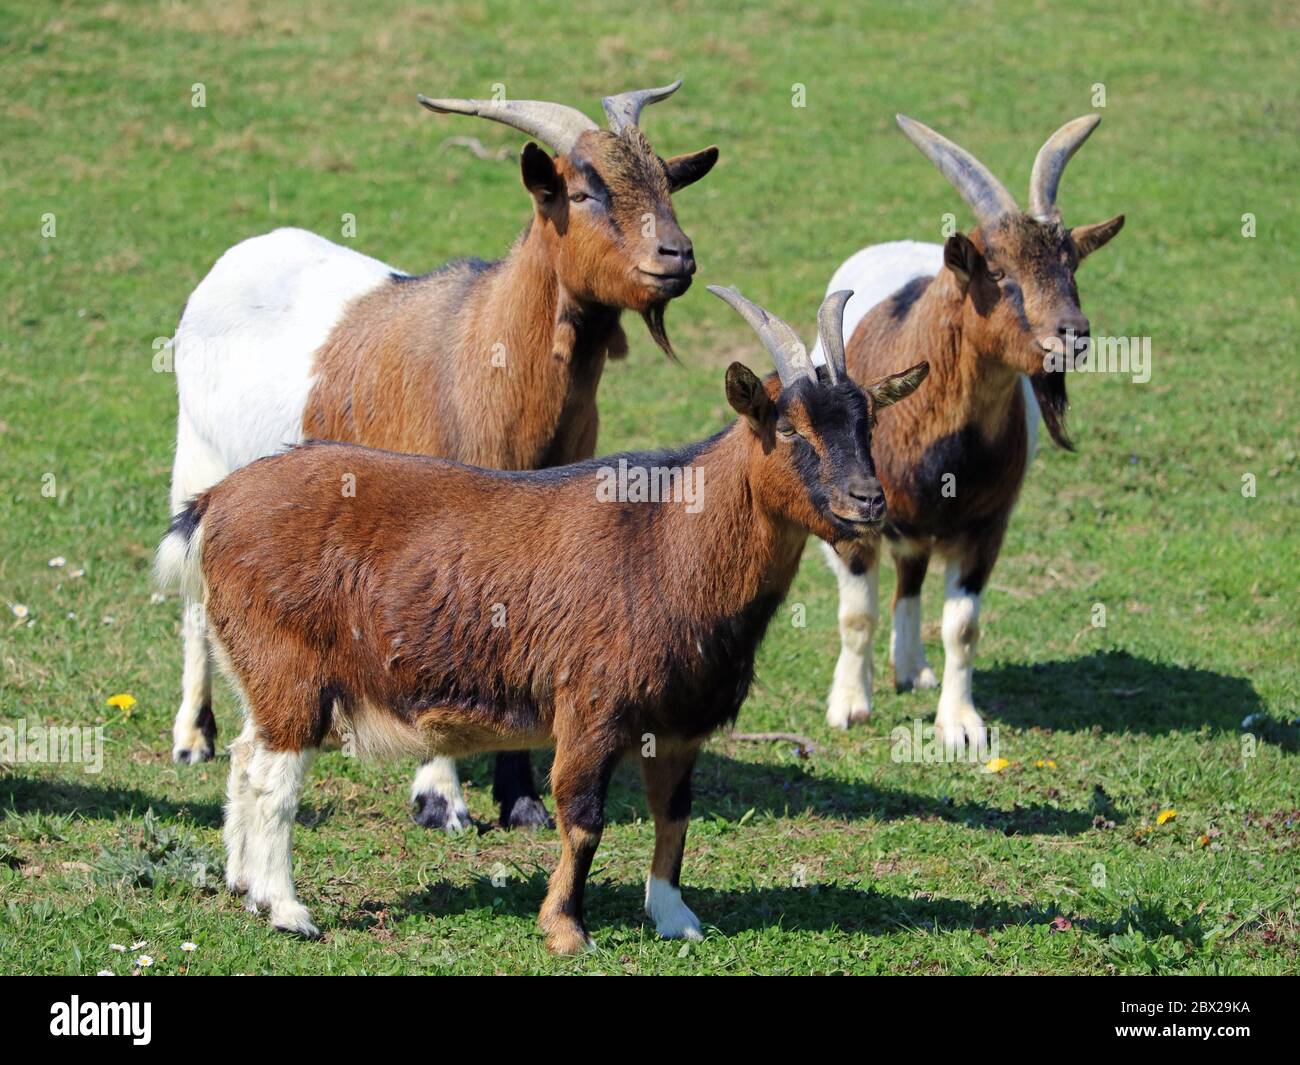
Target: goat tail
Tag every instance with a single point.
(178, 565)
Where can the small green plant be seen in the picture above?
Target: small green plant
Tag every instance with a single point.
(158, 856)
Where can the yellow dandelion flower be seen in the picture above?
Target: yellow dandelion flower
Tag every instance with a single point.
(995, 765)
(123, 702)
(1165, 816)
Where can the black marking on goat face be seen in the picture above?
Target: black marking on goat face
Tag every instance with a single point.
(832, 450)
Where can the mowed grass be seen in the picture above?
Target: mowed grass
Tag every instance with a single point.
(846, 861)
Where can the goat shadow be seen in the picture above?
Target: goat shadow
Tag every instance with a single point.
(728, 788)
(55, 795)
(1122, 694)
(814, 907)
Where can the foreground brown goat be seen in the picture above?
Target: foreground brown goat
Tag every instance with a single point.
(990, 311)
(443, 609)
(495, 364)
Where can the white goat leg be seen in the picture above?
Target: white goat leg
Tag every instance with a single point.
(275, 778)
(859, 612)
(906, 648)
(957, 719)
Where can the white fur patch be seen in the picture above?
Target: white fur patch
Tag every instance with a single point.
(875, 273)
(270, 804)
(957, 718)
(859, 612)
(247, 342)
(672, 917)
(906, 648)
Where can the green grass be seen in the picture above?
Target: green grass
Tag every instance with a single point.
(845, 861)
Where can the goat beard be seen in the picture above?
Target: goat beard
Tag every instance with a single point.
(1049, 390)
(654, 321)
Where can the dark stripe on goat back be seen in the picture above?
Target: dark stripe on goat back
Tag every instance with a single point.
(665, 457)
(471, 266)
(902, 301)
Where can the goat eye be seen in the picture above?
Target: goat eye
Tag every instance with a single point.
(786, 432)
(997, 275)
(579, 197)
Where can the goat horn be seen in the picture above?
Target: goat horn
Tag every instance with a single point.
(986, 195)
(830, 328)
(555, 124)
(1049, 165)
(624, 110)
(782, 342)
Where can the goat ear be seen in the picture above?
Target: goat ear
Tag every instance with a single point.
(1087, 239)
(891, 389)
(685, 170)
(963, 259)
(539, 174)
(747, 396)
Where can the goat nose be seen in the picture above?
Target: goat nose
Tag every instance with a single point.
(680, 249)
(1076, 324)
(869, 494)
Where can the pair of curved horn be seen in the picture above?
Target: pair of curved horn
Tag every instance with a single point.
(783, 343)
(556, 125)
(987, 196)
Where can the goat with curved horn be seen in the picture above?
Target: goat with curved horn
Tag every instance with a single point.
(1049, 165)
(830, 330)
(557, 125)
(986, 195)
(624, 109)
(788, 352)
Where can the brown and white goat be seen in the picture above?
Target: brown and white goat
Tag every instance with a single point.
(442, 609)
(291, 337)
(990, 311)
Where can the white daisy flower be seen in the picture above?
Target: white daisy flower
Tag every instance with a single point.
(189, 948)
(58, 562)
(144, 961)
(20, 611)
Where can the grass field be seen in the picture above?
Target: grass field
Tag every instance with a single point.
(845, 861)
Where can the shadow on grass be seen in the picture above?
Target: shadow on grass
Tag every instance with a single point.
(50, 795)
(731, 788)
(817, 907)
(1118, 693)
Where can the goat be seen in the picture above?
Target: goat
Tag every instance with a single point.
(494, 364)
(990, 310)
(444, 609)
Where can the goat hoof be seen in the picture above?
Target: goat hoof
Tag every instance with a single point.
(922, 680)
(847, 707)
(199, 744)
(961, 727)
(433, 811)
(568, 938)
(527, 812)
(293, 918)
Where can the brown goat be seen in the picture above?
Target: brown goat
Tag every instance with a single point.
(444, 609)
(1001, 305)
(494, 364)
